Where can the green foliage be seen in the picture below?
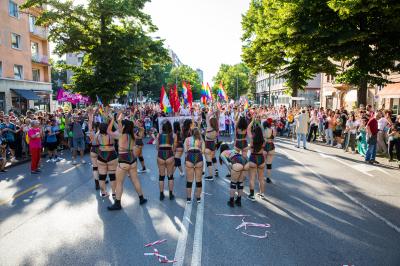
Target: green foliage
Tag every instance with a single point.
(303, 37)
(185, 73)
(232, 77)
(114, 37)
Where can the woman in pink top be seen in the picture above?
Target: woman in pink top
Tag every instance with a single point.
(35, 145)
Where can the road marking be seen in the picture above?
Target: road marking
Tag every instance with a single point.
(323, 179)
(19, 194)
(361, 167)
(69, 170)
(181, 245)
(198, 233)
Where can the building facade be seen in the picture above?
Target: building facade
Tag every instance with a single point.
(201, 74)
(24, 59)
(73, 59)
(271, 88)
(336, 95)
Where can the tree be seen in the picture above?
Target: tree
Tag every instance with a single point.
(114, 37)
(303, 37)
(236, 79)
(187, 74)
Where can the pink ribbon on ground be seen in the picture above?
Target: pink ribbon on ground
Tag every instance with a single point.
(249, 224)
(156, 253)
(155, 243)
(257, 236)
(233, 215)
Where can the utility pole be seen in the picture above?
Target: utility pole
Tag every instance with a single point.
(269, 89)
(237, 87)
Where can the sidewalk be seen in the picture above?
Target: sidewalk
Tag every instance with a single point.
(384, 162)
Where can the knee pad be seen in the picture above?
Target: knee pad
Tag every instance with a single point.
(161, 178)
(112, 177)
(178, 162)
(199, 184)
(171, 177)
(102, 177)
(269, 166)
(240, 185)
(189, 184)
(214, 160)
(95, 168)
(233, 185)
(209, 163)
(141, 158)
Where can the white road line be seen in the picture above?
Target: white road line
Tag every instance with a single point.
(198, 233)
(323, 179)
(181, 245)
(69, 170)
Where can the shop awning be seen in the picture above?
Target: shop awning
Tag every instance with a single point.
(390, 91)
(27, 94)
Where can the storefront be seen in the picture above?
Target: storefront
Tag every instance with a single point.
(390, 97)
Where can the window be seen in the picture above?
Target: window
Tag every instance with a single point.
(35, 74)
(13, 9)
(32, 21)
(18, 72)
(1, 69)
(15, 41)
(34, 48)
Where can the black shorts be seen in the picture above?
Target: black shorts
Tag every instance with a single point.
(51, 146)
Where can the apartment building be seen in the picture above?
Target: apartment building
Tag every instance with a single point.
(271, 88)
(24, 59)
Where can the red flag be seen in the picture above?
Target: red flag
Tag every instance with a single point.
(162, 97)
(190, 95)
(172, 97)
(177, 104)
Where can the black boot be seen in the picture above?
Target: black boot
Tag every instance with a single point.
(142, 200)
(238, 201)
(162, 196)
(97, 185)
(171, 195)
(116, 206)
(231, 202)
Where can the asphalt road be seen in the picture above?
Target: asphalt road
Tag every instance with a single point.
(324, 207)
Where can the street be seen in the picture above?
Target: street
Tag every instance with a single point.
(324, 208)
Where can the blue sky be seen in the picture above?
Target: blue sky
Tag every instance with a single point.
(203, 33)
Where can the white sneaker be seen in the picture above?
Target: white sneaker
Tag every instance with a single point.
(261, 195)
(83, 161)
(74, 162)
(181, 173)
(53, 160)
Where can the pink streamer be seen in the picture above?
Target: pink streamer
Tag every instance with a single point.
(248, 224)
(257, 236)
(155, 243)
(233, 215)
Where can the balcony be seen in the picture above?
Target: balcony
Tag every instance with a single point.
(42, 33)
(40, 59)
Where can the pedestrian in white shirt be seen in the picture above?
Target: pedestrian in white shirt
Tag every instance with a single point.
(302, 128)
(381, 141)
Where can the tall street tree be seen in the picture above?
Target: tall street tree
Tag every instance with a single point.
(112, 34)
(302, 37)
(236, 79)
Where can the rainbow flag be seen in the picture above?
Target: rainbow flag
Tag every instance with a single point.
(164, 102)
(185, 93)
(203, 94)
(100, 105)
(209, 94)
(222, 93)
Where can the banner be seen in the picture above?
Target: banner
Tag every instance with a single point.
(74, 98)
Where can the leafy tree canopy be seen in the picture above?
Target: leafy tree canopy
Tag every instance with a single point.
(236, 79)
(114, 37)
(187, 74)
